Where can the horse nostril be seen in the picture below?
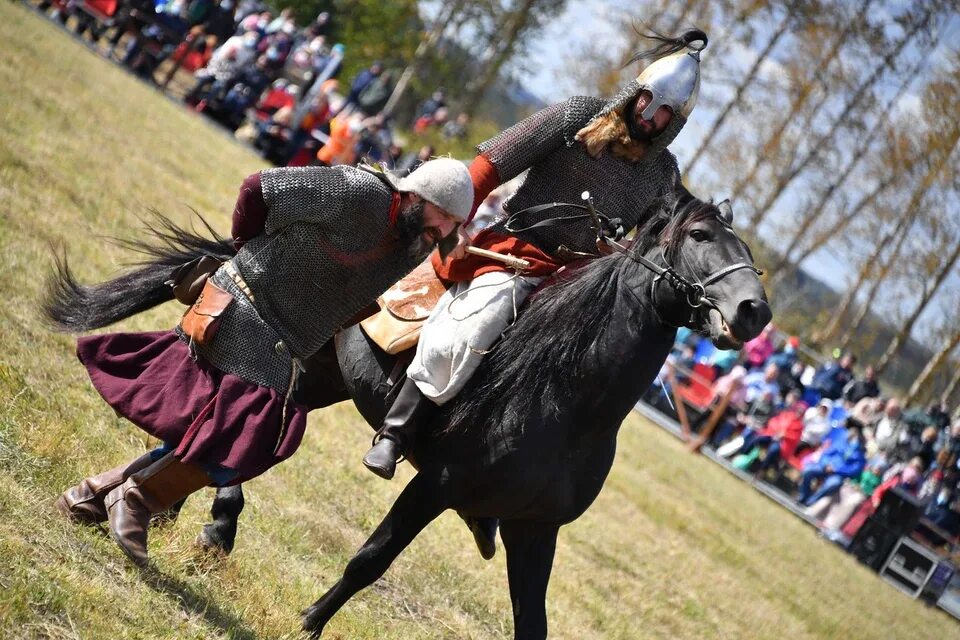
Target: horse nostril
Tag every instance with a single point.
(753, 315)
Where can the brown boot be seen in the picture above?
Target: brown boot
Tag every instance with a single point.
(83, 503)
(150, 491)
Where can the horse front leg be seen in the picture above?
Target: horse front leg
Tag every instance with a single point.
(220, 534)
(530, 548)
(420, 502)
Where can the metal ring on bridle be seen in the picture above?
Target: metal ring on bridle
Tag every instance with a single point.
(695, 295)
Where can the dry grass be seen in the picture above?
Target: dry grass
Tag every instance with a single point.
(673, 548)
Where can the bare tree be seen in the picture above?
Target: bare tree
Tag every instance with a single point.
(936, 360)
(781, 30)
(824, 140)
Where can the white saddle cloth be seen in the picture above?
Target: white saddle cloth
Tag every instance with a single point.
(466, 322)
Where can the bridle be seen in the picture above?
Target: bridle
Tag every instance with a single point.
(693, 293)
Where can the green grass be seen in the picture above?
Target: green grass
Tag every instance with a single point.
(673, 548)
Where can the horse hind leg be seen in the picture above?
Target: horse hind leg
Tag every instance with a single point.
(415, 508)
(221, 534)
(530, 549)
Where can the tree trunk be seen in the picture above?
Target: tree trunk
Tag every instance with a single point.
(774, 141)
(932, 365)
(786, 266)
(498, 53)
(952, 385)
(786, 178)
(742, 87)
(901, 338)
(867, 302)
(427, 43)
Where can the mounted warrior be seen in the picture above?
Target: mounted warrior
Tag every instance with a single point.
(316, 246)
(617, 150)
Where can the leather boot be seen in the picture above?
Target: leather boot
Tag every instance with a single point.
(150, 491)
(410, 410)
(83, 503)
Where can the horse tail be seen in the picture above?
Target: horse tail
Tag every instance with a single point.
(74, 307)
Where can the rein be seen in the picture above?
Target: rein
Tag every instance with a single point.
(694, 293)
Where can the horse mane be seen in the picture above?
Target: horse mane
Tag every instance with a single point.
(542, 357)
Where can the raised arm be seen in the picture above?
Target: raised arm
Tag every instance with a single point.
(510, 153)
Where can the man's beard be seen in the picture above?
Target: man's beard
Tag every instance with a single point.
(411, 228)
(636, 131)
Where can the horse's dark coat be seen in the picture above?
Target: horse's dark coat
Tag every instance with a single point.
(520, 451)
(533, 441)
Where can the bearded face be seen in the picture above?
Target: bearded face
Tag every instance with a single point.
(410, 226)
(646, 130)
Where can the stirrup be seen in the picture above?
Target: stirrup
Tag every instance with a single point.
(377, 437)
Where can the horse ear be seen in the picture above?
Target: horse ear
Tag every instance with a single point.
(726, 211)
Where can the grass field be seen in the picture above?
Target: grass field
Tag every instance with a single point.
(673, 548)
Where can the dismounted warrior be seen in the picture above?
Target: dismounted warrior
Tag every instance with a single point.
(317, 246)
(616, 149)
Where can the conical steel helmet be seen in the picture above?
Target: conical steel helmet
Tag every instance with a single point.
(673, 80)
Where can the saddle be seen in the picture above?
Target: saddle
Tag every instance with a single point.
(404, 308)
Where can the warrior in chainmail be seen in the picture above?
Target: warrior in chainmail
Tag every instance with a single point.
(317, 245)
(616, 149)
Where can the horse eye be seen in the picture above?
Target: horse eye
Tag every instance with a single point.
(699, 235)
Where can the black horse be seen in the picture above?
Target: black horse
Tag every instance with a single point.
(533, 440)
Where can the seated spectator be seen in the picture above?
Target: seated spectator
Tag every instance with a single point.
(830, 380)
(226, 62)
(860, 388)
(229, 101)
(786, 357)
(757, 351)
(816, 424)
(867, 412)
(843, 457)
(435, 119)
(758, 383)
(456, 128)
(922, 446)
(908, 477)
(780, 435)
(834, 511)
(431, 105)
(375, 95)
(890, 428)
(360, 82)
(944, 513)
(789, 378)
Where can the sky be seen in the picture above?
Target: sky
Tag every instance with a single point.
(580, 24)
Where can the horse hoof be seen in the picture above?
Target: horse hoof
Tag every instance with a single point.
(212, 542)
(314, 620)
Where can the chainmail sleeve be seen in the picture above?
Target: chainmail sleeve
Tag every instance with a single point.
(305, 194)
(524, 144)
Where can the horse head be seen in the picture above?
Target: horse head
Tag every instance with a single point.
(705, 275)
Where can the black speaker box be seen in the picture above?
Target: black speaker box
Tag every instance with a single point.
(897, 515)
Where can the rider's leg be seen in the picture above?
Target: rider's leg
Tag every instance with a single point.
(466, 322)
(408, 412)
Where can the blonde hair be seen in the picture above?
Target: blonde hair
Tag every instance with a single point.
(611, 131)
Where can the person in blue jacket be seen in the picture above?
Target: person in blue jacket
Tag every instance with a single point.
(843, 457)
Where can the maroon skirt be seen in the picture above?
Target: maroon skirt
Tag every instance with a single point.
(208, 416)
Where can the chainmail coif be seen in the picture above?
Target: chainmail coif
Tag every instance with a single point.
(561, 170)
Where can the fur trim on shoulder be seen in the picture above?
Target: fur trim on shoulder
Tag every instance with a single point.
(611, 131)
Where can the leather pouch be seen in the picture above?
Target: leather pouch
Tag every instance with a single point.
(202, 319)
(188, 279)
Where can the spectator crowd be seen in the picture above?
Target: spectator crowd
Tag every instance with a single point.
(826, 433)
(274, 83)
